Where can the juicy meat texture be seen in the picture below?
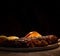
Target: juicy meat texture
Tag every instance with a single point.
(37, 43)
(32, 39)
(51, 39)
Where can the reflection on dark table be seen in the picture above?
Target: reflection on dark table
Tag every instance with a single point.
(54, 52)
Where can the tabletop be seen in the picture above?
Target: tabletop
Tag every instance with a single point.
(53, 52)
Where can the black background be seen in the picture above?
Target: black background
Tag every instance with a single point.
(20, 19)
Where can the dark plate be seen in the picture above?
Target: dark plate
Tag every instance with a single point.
(30, 49)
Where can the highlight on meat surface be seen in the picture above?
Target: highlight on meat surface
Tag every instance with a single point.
(33, 34)
(12, 37)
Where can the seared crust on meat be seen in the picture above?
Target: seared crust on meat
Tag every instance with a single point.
(32, 39)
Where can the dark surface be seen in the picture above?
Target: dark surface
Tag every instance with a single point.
(19, 21)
